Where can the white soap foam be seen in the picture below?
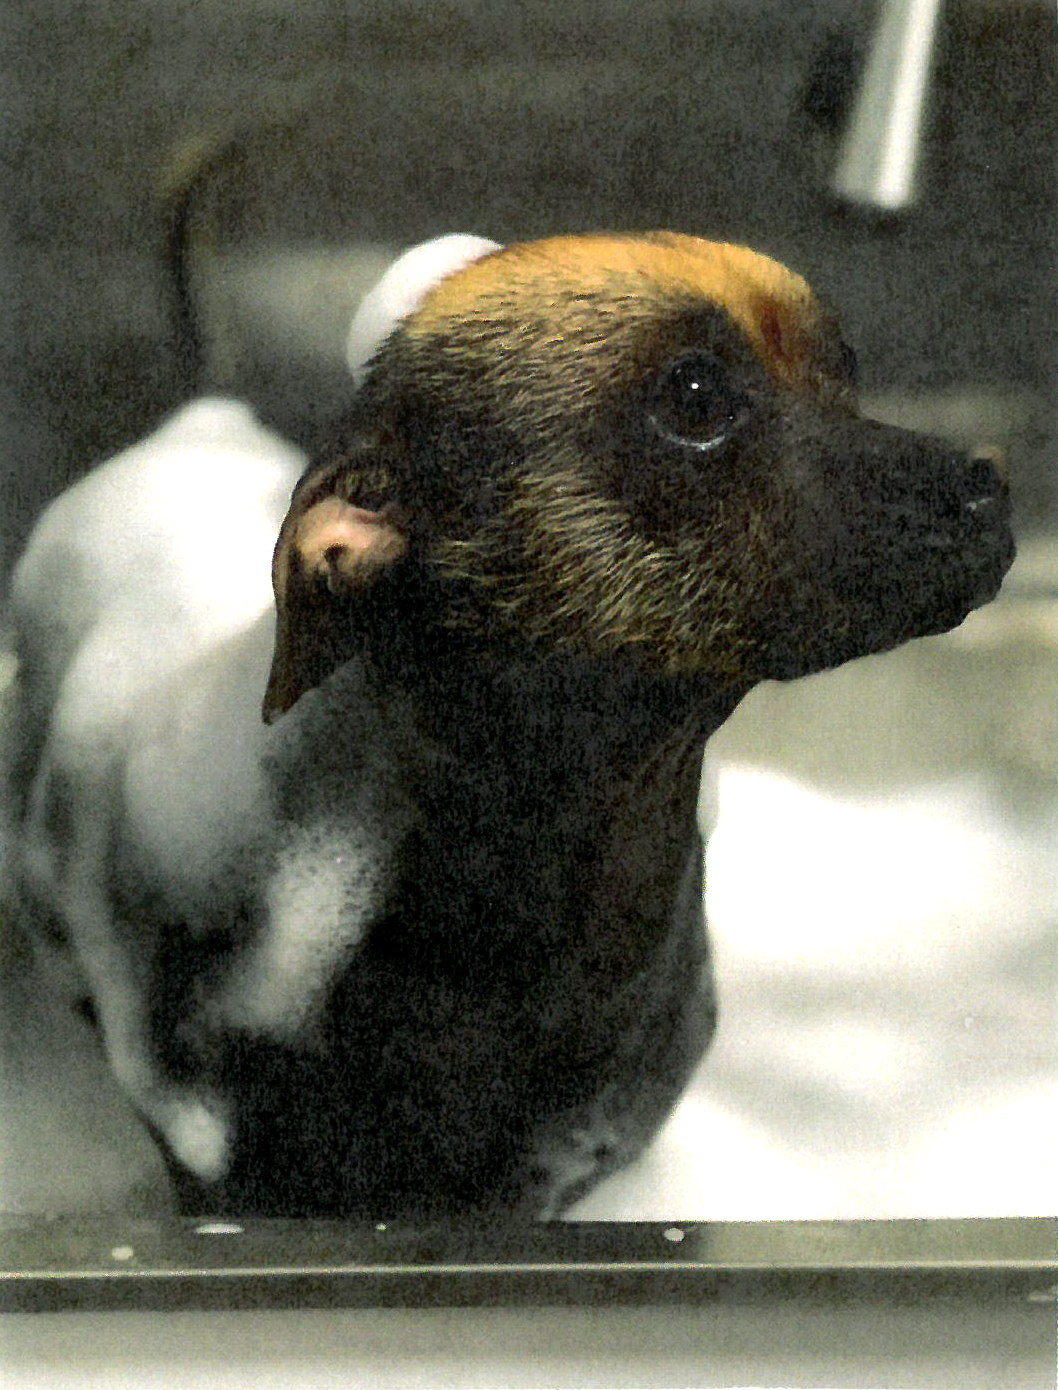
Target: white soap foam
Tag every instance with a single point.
(403, 288)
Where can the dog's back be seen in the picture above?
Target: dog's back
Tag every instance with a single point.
(130, 575)
(129, 582)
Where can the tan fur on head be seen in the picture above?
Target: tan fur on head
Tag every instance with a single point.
(774, 306)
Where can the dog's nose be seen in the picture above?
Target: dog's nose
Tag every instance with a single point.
(980, 482)
(995, 455)
(966, 485)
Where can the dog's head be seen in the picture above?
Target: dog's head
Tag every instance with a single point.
(632, 447)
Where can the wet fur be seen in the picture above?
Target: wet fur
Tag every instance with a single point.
(431, 942)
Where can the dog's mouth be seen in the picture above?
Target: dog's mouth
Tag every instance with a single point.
(935, 578)
(912, 555)
(965, 567)
(974, 539)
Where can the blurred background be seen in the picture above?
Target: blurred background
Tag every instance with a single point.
(197, 195)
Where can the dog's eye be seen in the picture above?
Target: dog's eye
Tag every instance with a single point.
(695, 403)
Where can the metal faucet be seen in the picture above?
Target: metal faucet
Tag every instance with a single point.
(880, 153)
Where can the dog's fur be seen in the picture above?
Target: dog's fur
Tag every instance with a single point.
(429, 941)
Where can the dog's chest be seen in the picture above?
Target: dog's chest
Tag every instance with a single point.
(476, 940)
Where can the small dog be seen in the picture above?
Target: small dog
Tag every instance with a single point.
(428, 941)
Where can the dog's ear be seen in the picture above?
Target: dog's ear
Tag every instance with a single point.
(329, 551)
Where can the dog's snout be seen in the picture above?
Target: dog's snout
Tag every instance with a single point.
(886, 466)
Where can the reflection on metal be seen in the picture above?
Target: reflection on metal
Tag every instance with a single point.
(70, 1264)
(879, 158)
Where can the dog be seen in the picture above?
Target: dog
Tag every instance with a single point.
(427, 940)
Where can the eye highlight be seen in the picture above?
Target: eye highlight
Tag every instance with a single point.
(695, 404)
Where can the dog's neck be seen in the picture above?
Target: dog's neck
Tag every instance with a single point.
(551, 796)
(564, 787)
(493, 697)
(562, 720)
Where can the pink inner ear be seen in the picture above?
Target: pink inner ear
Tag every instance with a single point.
(337, 540)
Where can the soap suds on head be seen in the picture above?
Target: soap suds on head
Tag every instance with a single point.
(403, 288)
